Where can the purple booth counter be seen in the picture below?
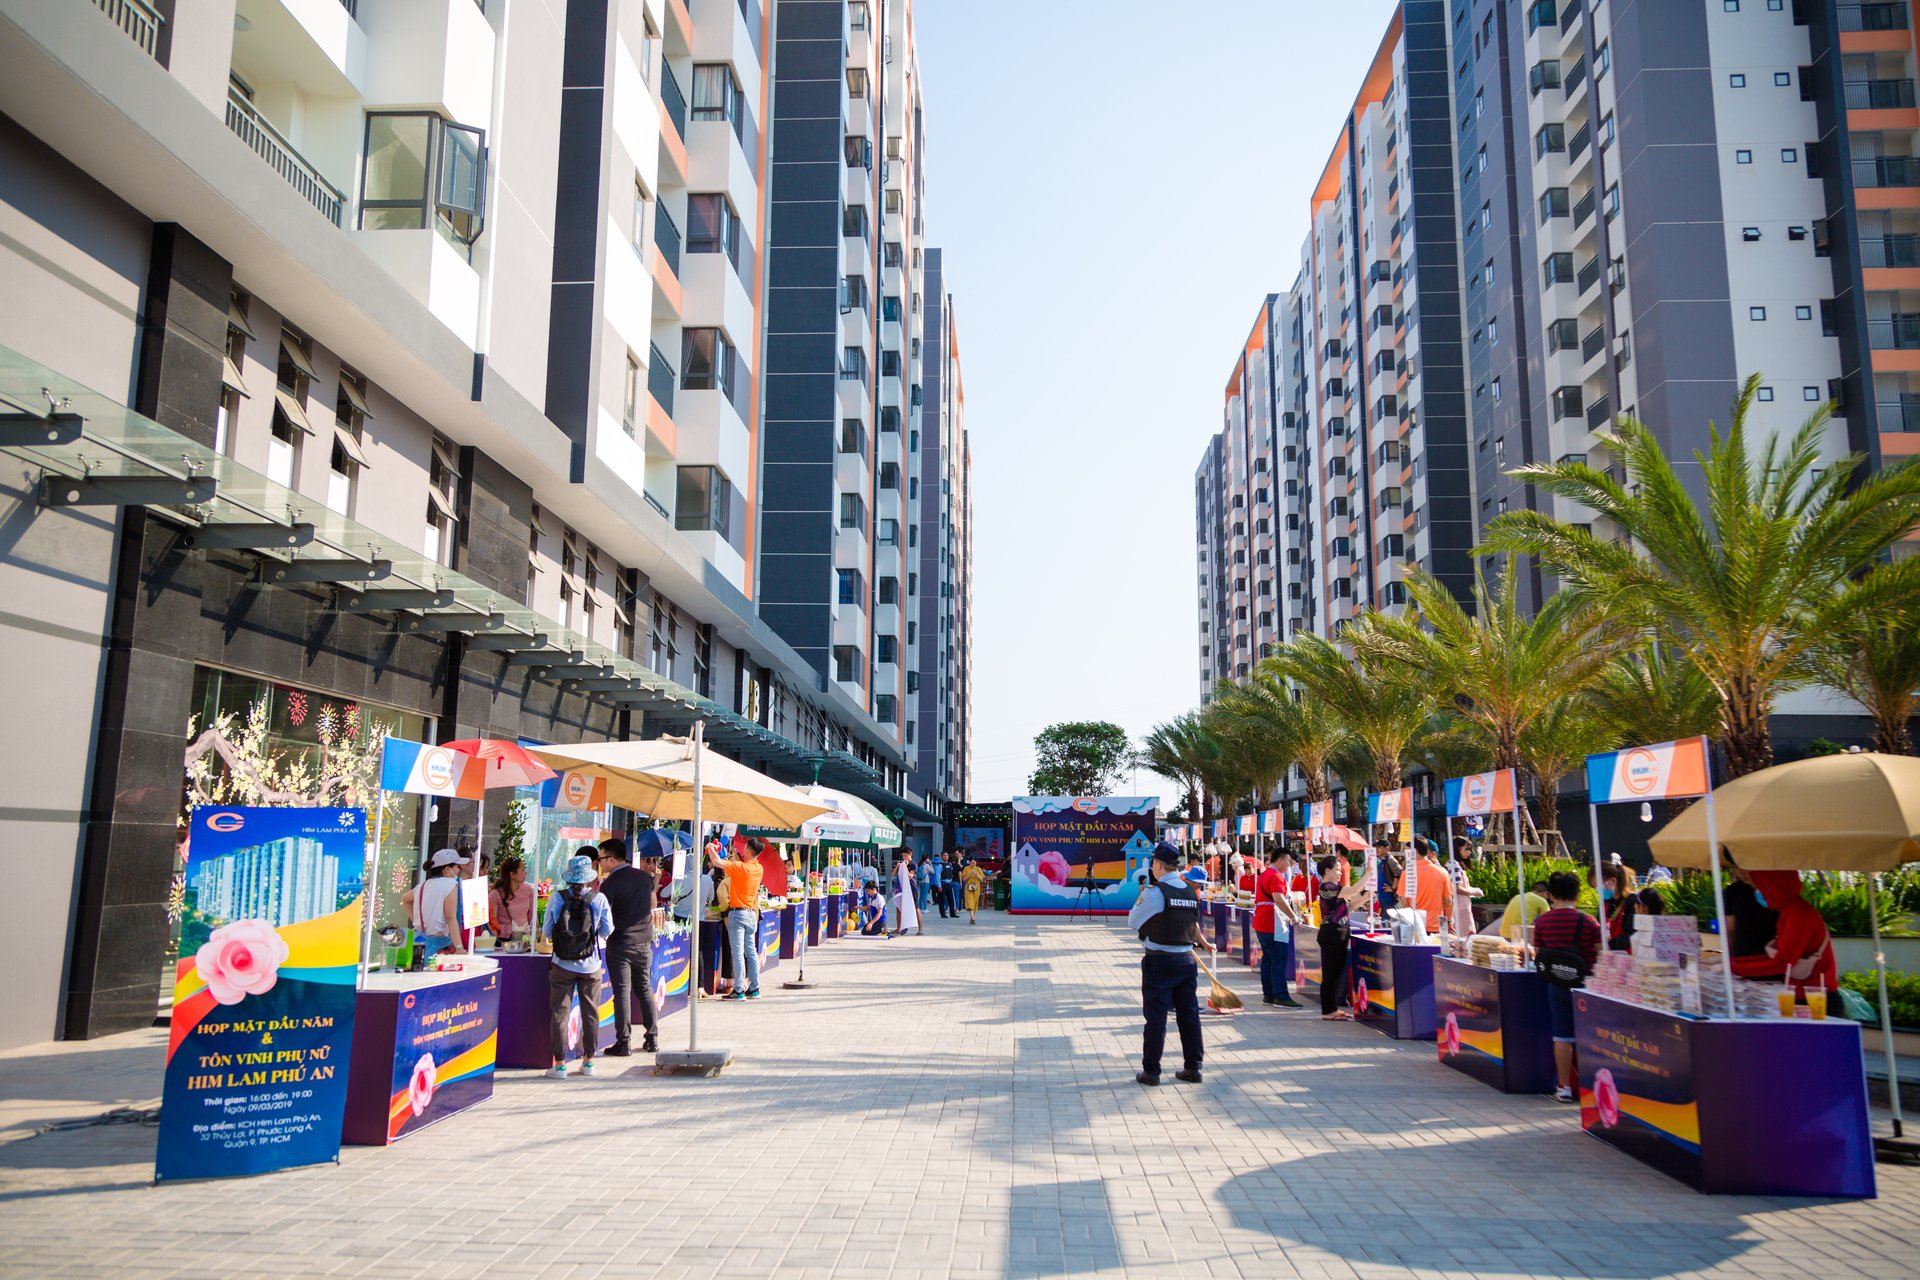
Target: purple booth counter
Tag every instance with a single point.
(837, 904)
(1305, 956)
(523, 1000)
(1213, 919)
(1493, 1025)
(816, 921)
(792, 931)
(423, 1049)
(1774, 1107)
(1392, 986)
(1240, 934)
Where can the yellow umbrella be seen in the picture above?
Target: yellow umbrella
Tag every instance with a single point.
(657, 778)
(1854, 812)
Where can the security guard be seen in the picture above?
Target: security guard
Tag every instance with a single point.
(1167, 915)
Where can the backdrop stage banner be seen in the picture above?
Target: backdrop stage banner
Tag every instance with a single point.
(263, 995)
(1080, 853)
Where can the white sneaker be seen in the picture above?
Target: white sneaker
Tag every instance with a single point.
(1563, 1094)
(587, 1068)
(559, 1072)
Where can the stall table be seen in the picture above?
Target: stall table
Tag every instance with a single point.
(1392, 986)
(1304, 954)
(836, 914)
(523, 1000)
(1215, 922)
(423, 1050)
(770, 951)
(792, 930)
(1774, 1107)
(1240, 933)
(1493, 1025)
(816, 920)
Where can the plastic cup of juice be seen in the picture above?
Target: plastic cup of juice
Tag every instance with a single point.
(1817, 1002)
(1786, 1001)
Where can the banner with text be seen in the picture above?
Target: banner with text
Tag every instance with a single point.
(1480, 793)
(1081, 853)
(263, 994)
(1666, 770)
(1390, 806)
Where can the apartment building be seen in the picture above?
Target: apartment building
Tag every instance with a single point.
(1538, 215)
(399, 362)
(940, 686)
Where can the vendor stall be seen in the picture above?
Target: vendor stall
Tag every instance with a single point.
(1305, 956)
(1392, 985)
(423, 1049)
(1240, 932)
(1492, 1024)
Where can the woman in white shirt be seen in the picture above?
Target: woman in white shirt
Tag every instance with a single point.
(436, 907)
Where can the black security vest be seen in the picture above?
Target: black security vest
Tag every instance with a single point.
(1174, 925)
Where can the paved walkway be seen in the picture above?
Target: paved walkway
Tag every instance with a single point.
(960, 1104)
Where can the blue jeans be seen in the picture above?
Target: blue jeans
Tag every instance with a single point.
(743, 931)
(1167, 981)
(1275, 960)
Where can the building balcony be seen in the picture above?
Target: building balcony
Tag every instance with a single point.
(1874, 17)
(272, 146)
(1899, 414)
(1879, 95)
(140, 20)
(1890, 251)
(1898, 332)
(1887, 171)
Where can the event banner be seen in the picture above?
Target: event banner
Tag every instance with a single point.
(1248, 824)
(574, 790)
(1466, 1006)
(421, 768)
(263, 993)
(1081, 853)
(1370, 979)
(1273, 822)
(443, 1055)
(1480, 793)
(1636, 1083)
(980, 842)
(1666, 770)
(1320, 814)
(1390, 806)
(672, 959)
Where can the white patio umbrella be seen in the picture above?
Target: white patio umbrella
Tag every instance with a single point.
(682, 778)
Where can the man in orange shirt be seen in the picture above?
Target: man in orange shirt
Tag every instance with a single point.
(743, 872)
(1433, 887)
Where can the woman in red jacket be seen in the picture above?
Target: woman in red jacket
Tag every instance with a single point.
(1801, 952)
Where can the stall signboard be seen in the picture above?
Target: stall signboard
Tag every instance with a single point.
(1273, 822)
(1390, 806)
(1320, 814)
(263, 995)
(672, 961)
(1370, 965)
(443, 1057)
(1665, 770)
(1636, 1083)
(769, 939)
(574, 790)
(424, 769)
(1248, 824)
(1081, 853)
(1305, 956)
(1466, 1006)
(1480, 793)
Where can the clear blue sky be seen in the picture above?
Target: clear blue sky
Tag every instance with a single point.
(1116, 185)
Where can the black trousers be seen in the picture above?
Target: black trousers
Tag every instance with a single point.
(1168, 982)
(562, 983)
(1333, 974)
(628, 969)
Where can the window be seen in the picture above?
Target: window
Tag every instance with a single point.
(443, 473)
(846, 660)
(1603, 59)
(1749, 234)
(856, 82)
(1810, 394)
(640, 203)
(853, 294)
(853, 364)
(888, 590)
(630, 395)
(1765, 395)
(853, 511)
(1736, 81)
(347, 456)
(1789, 155)
(1782, 80)
(716, 94)
(888, 533)
(1731, 6)
(1796, 233)
(1803, 313)
(703, 660)
(1613, 200)
(1496, 389)
(704, 501)
(853, 436)
(1756, 313)
(884, 708)
(419, 167)
(889, 475)
(706, 361)
(852, 588)
(1606, 131)
(1743, 156)
(886, 649)
(713, 227)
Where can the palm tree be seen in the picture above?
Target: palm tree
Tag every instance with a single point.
(1556, 743)
(1876, 662)
(1178, 750)
(1744, 583)
(1379, 703)
(1645, 696)
(1501, 666)
(1292, 728)
(1450, 749)
(1352, 763)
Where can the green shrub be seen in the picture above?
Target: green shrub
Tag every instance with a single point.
(1903, 994)
(1495, 878)
(1844, 905)
(1903, 886)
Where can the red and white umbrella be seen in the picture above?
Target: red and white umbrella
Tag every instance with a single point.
(507, 764)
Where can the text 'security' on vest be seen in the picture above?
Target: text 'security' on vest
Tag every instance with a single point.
(1174, 924)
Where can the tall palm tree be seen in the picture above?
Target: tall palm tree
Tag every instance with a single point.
(1876, 662)
(1501, 666)
(1178, 750)
(1380, 704)
(1744, 583)
(1450, 749)
(1646, 695)
(1352, 763)
(1556, 743)
(1294, 729)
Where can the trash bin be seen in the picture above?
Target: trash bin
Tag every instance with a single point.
(1002, 895)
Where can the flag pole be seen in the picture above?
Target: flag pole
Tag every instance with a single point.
(367, 890)
(693, 886)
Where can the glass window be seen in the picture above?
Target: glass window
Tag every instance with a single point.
(712, 225)
(706, 361)
(716, 96)
(397, 150)
(704, 501)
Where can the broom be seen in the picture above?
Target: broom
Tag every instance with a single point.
(1221, 999)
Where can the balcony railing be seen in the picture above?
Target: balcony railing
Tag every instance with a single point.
(1576, 76)
(1900, 414)
(1887, 171)
(1583, 209)
(1873, 17)
(674, 100)
(1589, 275)
(660, 378)
(140, 20)
(1899, 332)
(1878, 95)
(1570, 14)
(666, 238)
(1599, 414)
(267, 141)
(1890, 251)
(1591, 345)
(1577, 145)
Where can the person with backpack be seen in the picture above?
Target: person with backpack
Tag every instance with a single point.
(1566, 947)
(577, 922)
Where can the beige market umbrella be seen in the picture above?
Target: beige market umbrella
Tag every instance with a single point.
(1854, 812)
(1859, 811)
(657, 778)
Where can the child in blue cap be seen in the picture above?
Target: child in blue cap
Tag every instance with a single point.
(578, 921)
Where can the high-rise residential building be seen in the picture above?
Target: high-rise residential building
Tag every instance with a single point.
(1536, 216)
(940, 684)
(282, 881)
(448, 364)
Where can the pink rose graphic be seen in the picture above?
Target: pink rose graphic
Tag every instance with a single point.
(573, 1027)
(421, 1083)
(241, 959)
(1360, 996)
(1450, 1037)
(1606, 1098)
(1053, 867)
